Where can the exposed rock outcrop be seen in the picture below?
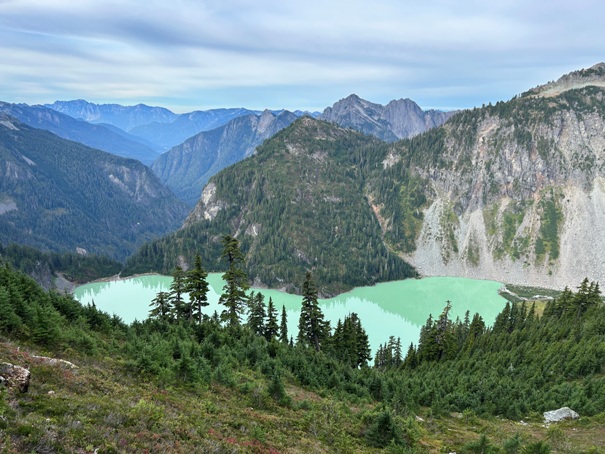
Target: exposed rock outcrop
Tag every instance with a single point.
(560, 415)
(399, 119)
(15, 377)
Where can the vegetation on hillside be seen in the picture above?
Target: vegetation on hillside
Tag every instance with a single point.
(297, 204)
(59, 195)
(181, 383)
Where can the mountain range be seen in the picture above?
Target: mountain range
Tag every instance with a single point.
(509, 192)
(60, 195)
(95, 136)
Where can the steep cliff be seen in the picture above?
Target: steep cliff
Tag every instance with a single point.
(515, 191)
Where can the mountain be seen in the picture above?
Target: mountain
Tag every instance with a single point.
(61, 195)
(298, 203)
(123, 117)
(95, 136)
(186, 168)
(399, 119)
(167, 135)
(512, 192)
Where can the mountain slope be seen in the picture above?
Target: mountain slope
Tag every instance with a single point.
(95, 136)
(297, 204)
(123, 117)
(510, 192)
(60, 195)
(167, 135)
(186, 168)
(399, 119)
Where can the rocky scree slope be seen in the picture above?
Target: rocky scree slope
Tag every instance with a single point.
(512, 192)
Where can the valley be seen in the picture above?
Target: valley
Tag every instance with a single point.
(383, 232)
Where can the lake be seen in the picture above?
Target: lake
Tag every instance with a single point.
(396, 308)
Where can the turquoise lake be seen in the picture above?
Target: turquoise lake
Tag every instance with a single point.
(396, 308)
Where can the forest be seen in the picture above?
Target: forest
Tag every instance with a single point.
(528, 362)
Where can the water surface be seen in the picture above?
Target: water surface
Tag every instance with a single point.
(396, 308)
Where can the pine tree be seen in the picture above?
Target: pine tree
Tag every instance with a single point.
(283, 326)
(197, 287)
(271, 327)
(236, 282)
(312, 329)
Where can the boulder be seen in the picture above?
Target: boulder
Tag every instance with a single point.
(14, 376)
(560, 415)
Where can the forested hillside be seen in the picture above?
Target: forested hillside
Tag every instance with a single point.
(183, 384)
(299, 203)
(61, 195)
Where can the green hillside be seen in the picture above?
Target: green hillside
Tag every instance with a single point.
(188, 386)
(298, 204)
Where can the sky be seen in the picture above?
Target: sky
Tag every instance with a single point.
(295, 54)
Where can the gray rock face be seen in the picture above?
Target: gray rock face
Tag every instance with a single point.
(560, 415)
(13, 376)
(399, 119)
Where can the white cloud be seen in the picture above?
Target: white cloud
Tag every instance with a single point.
(437, 52)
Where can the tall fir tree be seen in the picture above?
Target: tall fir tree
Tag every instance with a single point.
(283, 326)
(236, 282)
(196, 285)
(312, 328)
(256, 313)
(271, 327)
(177, 289)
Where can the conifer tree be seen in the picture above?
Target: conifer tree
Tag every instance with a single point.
(161, 307)
(271, 327)
(177, 288)
(197, 287)
(312, 329)
(236, 282)
(283, 326)
(256, 313)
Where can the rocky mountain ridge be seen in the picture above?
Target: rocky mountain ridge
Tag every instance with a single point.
(123, 117)
(399, 119)
(514, 191)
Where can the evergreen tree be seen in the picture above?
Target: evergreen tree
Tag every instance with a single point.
(197, 287)
(161, 307)
(312, 329)
(236, 282)
(283, 326)
(256, 313)
(177, 288)
(271, 327)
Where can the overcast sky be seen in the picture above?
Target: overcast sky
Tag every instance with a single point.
(296, 54)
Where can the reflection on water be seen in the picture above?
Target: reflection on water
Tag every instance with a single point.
(397, 308)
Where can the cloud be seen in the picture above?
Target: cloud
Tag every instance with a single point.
(439, 53)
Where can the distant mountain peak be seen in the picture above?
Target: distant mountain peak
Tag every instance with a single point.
(593, 76)
(400, 118)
